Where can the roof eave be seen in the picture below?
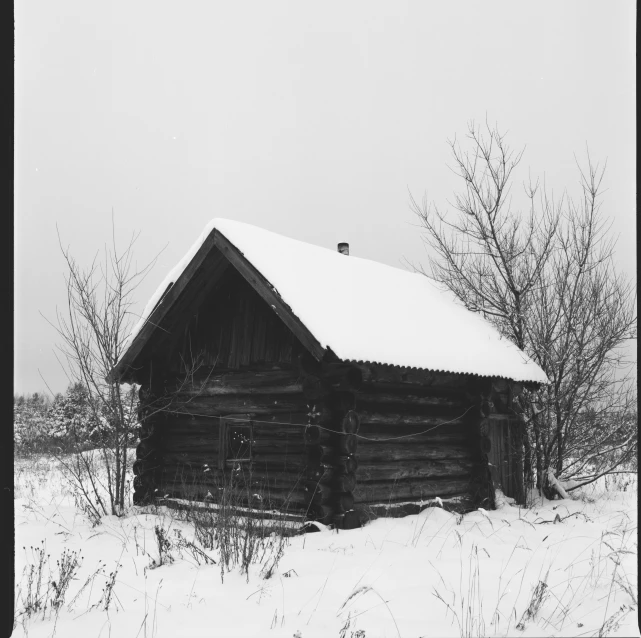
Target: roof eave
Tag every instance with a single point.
(526, 383)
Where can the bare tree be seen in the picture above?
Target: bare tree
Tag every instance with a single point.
(545, 277)
(93, 331)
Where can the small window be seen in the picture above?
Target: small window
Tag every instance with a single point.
(235, 442)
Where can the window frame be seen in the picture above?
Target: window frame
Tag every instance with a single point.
(237, 420)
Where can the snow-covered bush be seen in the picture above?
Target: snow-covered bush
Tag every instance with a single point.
(71, 417)
(30, 424)
(74, 421)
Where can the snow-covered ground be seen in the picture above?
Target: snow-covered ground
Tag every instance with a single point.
(561, 568)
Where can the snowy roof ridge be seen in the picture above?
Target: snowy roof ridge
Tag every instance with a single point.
(366, 311)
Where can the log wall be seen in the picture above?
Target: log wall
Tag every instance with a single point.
(148, 463)
(283, 468)
(420, 439)
(326, 444)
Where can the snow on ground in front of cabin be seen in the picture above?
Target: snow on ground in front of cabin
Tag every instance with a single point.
(433, 574)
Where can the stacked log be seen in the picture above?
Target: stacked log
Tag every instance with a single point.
(343, 470)
(328, 440)
(225, 404)
(419, 440)
(339, 461)
(275, 477)
(268, 399)
(329, 389)
(317, 440)
(189, 448)
(266, 382)
(380, 376)
(281, 475)
(146, 467)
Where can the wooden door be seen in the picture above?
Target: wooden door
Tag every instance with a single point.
(505, 456)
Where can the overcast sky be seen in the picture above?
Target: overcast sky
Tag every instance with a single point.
(309, 119)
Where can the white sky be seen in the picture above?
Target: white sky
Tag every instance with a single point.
(309, 120)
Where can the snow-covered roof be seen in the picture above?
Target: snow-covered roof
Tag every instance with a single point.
(366, 311)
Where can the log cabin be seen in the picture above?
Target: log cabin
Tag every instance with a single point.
(331, 387)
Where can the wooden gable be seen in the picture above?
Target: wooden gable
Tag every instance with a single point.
(232, 328)
(181, 300)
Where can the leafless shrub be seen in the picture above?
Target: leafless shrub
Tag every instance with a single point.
(108, 595)
(34, 592)
(273, 558)
(40, 591)
(84, 484)
(89, 581)
(164, 546)
(242, 536)
(193, 550)
(67, 567)
(92, 333)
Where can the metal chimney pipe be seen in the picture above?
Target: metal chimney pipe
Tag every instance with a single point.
(343, 248)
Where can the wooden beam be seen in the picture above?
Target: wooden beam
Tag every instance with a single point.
(441, 418)
(423, 469)
(201, 506)
(459, 504)
(374, 373)
(418, 451)
(383, 400)
(411, 489)
(252, 404)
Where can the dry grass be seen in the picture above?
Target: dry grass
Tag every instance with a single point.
(239, 540)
